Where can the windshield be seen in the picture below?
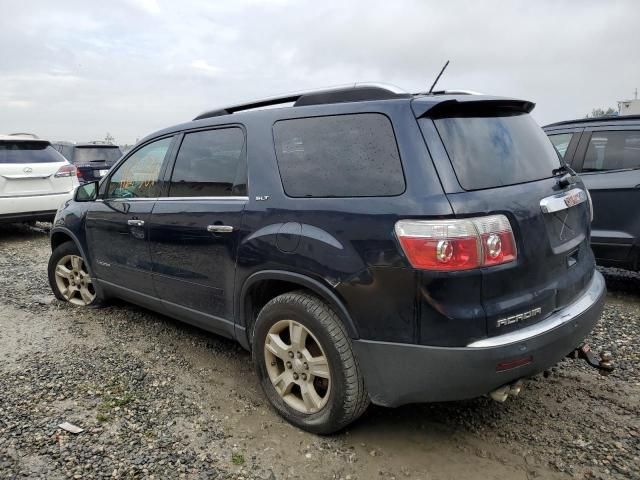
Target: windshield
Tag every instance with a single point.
(92, 154)
(495, 151)
(28, 152)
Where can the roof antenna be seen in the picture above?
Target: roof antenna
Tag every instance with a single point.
(438, 77)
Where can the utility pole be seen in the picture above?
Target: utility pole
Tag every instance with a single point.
(636, 93)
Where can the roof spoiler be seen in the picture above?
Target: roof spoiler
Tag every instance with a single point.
(469, 106)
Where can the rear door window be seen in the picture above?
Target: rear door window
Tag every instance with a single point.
(339, 156)
(560, 142)
(496, 150)
(28, 152)
(612, 150)
(210, 163)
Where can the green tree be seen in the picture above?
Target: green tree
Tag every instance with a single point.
(601, 112)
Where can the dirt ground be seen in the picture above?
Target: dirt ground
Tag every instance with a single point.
(160, 399)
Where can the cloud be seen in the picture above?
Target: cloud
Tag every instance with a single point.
(133, 66)
(148, 6)
(203, 67)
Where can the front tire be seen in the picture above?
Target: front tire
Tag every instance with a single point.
(306, 365)
(69, 276)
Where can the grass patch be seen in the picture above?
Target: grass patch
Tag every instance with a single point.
(237, 458)
(109, 403)
(101, 417)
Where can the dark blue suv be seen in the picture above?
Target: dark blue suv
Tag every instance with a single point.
(605, 151)
(367, 245)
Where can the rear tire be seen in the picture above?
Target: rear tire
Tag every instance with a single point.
(69, 277)
(306, 365)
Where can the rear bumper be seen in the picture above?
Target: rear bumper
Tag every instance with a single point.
(37, 207)
(397, 374)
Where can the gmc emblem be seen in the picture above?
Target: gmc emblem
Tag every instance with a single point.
(518, 317)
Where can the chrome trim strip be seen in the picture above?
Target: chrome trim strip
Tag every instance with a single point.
(182, 199)
(565, 200)
(26, 177)
(127, 200)
(565, 315)
(37, 195)
(170, 199)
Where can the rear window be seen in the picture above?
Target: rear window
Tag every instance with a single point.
(92, 154)
(28, 152)
(339, 156)
(496, 151)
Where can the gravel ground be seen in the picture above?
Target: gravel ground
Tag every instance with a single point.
(159, 399)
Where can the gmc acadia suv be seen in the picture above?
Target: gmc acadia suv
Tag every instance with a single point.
(367, 245)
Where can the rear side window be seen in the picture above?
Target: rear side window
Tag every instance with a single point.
(28, 152)
(560, 142)
(210, 164)
(339, 156)
(612, 151)
(498, 150)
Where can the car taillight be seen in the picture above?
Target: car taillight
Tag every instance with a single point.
(447, 245)
(66, 171)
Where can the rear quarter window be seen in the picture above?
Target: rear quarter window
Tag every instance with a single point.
(560, 142)
(497, 150)
(339, 156)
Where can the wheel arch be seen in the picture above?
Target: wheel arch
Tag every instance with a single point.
(60, 235)
(262, 286)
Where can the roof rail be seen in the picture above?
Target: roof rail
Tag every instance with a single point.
(602, 118)
(454, 92)
(341, 93)
(24, 134)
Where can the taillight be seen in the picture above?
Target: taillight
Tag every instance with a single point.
(66, 171)
(447, 245)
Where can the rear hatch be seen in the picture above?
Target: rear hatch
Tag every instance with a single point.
(499, 161)
(94, 161)
(30, 168)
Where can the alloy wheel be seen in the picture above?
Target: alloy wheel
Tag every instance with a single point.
(297, 366)
(73, 280)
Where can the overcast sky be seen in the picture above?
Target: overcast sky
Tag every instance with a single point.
(75, 70)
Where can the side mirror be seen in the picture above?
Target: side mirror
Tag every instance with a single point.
(87, 192)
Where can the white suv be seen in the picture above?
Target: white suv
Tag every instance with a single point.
(34, 179)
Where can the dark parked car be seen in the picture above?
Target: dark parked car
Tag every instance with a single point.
(367, 245)
(605, 152)
(93, 159)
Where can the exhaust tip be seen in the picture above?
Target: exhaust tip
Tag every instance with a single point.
(516, 388)
(500, 394)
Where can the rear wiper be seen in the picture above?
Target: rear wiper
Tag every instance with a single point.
(567, 175)
(564, 168)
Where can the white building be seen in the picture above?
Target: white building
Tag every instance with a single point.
(629, 107)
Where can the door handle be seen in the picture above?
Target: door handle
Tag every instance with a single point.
(136, 223)
(219, 228)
